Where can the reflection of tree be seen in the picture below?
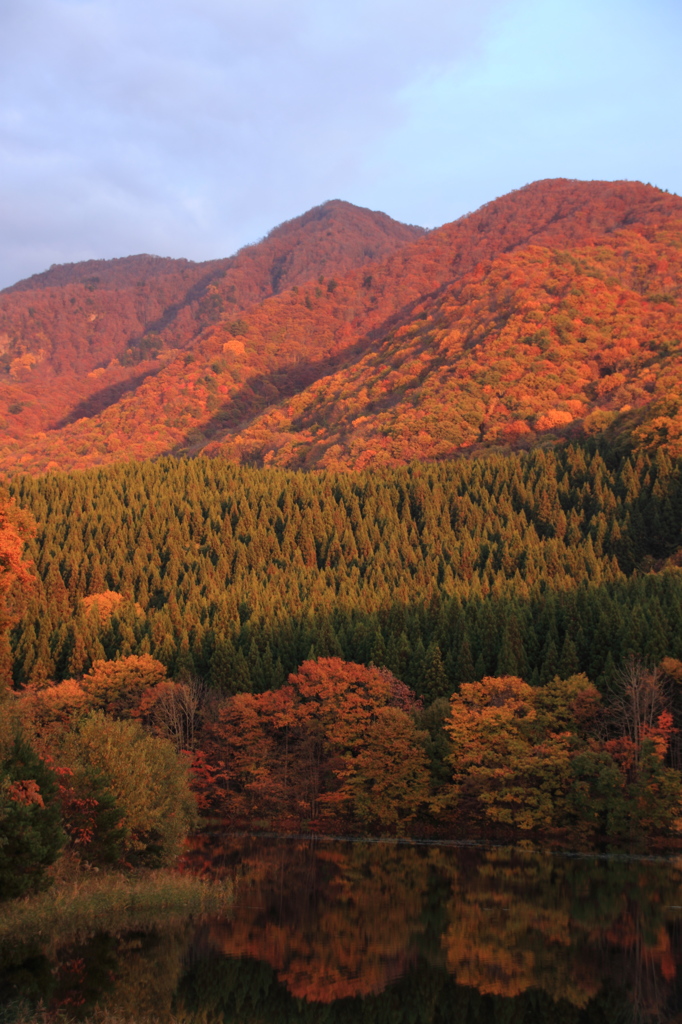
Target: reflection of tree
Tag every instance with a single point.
(564, 925)
(334, 921)
(134, 975)
(220, 990)
(370, 933)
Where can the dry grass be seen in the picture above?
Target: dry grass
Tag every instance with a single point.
(21, 1016)
(72, 910)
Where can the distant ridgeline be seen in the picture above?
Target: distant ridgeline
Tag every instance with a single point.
(526, 564)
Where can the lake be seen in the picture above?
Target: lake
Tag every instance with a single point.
(387, 933)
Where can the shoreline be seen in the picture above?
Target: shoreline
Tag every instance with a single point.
(645, 848)
(77, 906)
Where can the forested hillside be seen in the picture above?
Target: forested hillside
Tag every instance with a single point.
(76, 338)
(530, 564)
(551, 312)
(257, 584)
(539, 345)
(493, 642)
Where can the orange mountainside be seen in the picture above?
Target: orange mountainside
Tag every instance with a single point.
(345, 339)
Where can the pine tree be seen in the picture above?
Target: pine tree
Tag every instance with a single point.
(569, 662)
(465, 671)
(78, 661)
(378, 649)
(434, 682)
(550, 661)
(31, 821)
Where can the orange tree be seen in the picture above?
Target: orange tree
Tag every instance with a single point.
(543, 757)
(501, 761)
(336, 738)
(124, 688)
(15, 578)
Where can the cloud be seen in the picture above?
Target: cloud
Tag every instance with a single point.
(191, 128)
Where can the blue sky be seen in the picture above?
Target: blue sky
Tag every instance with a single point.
(191, 128)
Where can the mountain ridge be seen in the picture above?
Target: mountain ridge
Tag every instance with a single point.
(321, 334)
(102, 329)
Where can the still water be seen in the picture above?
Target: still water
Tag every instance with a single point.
(387, 933)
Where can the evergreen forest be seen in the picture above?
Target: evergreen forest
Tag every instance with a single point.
(533, 564)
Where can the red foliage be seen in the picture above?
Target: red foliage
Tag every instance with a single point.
(25, 791)
(332, 737)
(79, 813)
(551, 311)
(78, 337)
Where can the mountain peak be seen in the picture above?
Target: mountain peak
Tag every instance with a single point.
(345, 339)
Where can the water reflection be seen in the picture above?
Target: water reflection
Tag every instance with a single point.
(333, 921)
(339, 932)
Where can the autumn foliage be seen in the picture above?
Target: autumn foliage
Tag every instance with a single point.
(537, 758)
(346, 340)
(431, 932)
(83, 337)
(337, 738)
(71, 765)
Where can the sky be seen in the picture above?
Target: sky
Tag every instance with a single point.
(189, 128)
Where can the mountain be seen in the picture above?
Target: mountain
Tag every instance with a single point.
(539, 344)
(551, 312)
(77, 337)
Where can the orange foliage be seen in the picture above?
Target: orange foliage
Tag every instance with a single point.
(116, 687)
(127, 688)
(59, 704)
(77, 338)
(541, 342)
(501, 757)
(341, 920)
(527, 756)
(331, 739)
(25, 791)
(552, 310)
(106, 603)
(352, 939)
(14, 528)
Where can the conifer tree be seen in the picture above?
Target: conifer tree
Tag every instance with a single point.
(434, 682)
(30, 819)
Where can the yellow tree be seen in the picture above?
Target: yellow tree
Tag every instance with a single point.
(504, 761)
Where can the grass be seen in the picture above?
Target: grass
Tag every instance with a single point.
(73, 910)
(21, 1016)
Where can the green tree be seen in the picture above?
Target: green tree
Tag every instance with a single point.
(147, 779)
(434, 683)
(31, 836)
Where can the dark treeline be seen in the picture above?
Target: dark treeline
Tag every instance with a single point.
(530, 564)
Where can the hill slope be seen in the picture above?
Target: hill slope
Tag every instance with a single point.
(550, 311)
(543, 343)
(77, 337)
